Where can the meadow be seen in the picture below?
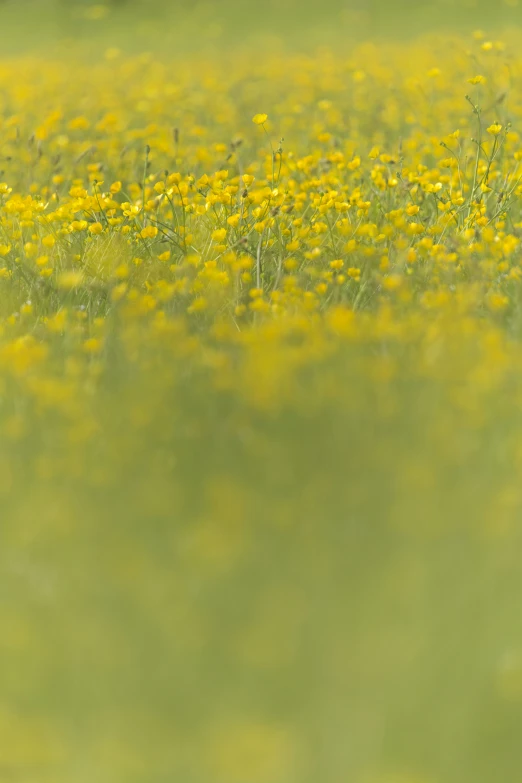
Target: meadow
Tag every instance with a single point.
(260, 392)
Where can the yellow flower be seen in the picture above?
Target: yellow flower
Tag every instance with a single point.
(392, 282)
(233, 220)
(78, 225)
(93, 345)
(259, 119)
(70, 279)
(198, 305)
(149, 232)
(497, 301)
(118, 292)
(219, 234)
(494, 129)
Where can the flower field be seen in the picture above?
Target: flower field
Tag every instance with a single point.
(261, 413)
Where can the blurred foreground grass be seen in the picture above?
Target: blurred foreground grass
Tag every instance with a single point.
(260, 394)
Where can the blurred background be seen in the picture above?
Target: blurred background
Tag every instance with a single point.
(174, 26)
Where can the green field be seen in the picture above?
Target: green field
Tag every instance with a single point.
(260, 392)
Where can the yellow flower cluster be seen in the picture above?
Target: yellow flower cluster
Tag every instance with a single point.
(241, 356)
